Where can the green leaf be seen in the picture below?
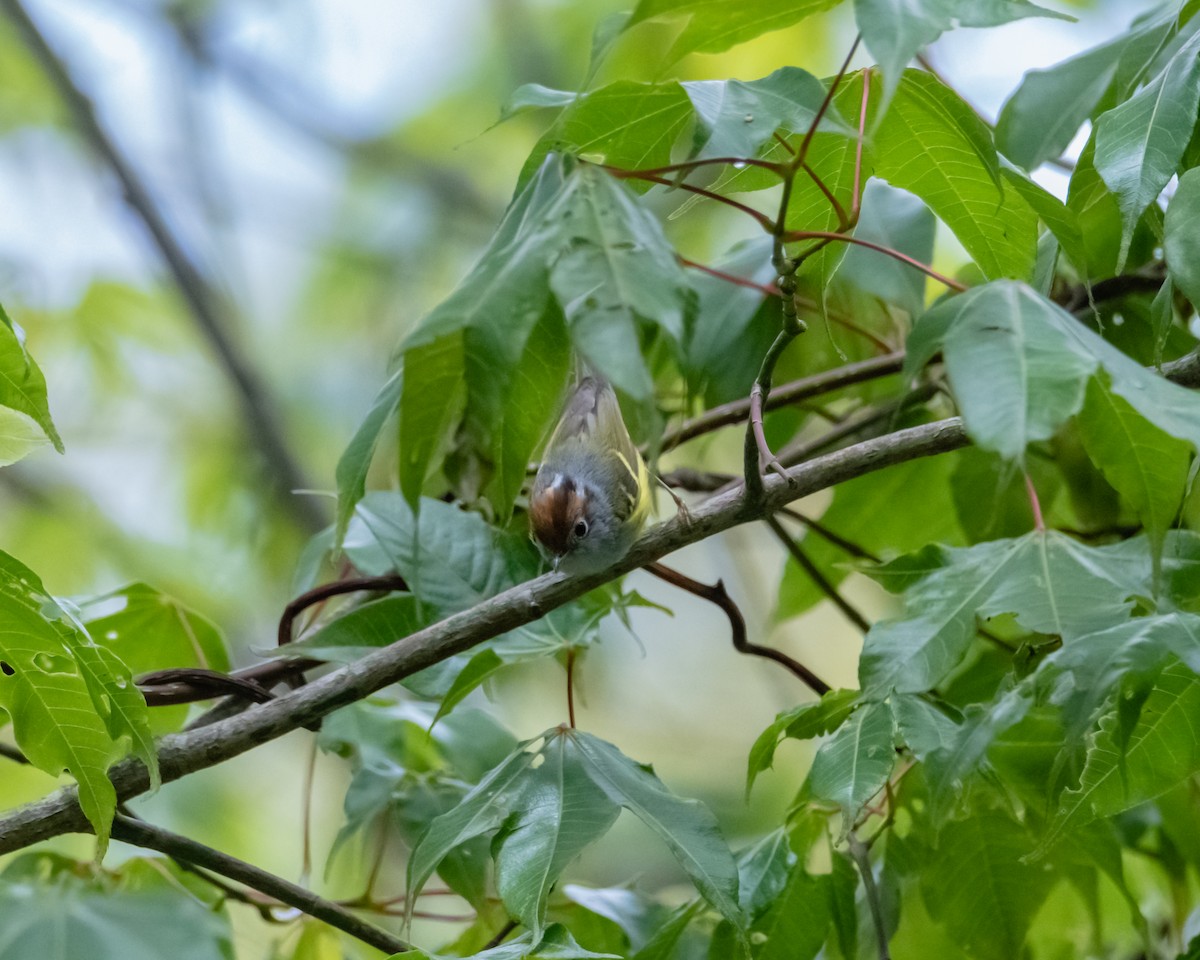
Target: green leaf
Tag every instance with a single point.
(431, 391)
(896, 219)
(149, 630)
(514, 404)
(54, 687)
(854, 764)
(797, 924)
(22, 386)
(355, 461)
(19, 436)
(662, 945)
(452, 561)
(801, 723)
(534, 96)
(1059, 219)
(1162, 750)
(763, 871)
(561, 812)
(1181, 246)
(1016, 378)
(1039, 120)
(1140, 141)
(922, 726)
(735, 118)
(627, 124)
(1127, 654)
(978, 887)
(1147, 466)
(686, 826)
(616, 268)
(1019, 365)
(895, 31)
(52, 910)
(734, 324)
(481, 811)
(843, 890)
(714, 25)
(1052, 584)
(932, 144)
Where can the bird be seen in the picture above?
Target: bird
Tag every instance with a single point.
(592, 493)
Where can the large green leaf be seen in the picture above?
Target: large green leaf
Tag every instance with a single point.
(1123, 770)
(615, 269)
(451, 559)
(932, 144)
(735, 118)
(798, 922)
(714, 25)
(630, 125)
(481, 811)
(686, 826)
(1181, 246)
(895, 31)
(431, 391)
(562, 811)
(923, 727)
(1146, 465)
(1140, 141)
(355, 461)
(854, 764)
(978, 887)
(1044, 113)
(1019, 366)
(70, 701)
(1052, 584)
(52, 910)
(22, 386)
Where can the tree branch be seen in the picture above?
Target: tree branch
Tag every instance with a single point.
(142, 834)
(184, 753)
(284, 472)
(789, 393)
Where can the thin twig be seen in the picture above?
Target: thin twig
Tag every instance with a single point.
(817, 527)
(503, 932)
(737, 624)
(286, 631)
(916, 264)
(285, 474)
(862, 860)
(817, 577)
(794, 392)
(142, 834)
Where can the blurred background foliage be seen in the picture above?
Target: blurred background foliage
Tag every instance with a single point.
(333, 167)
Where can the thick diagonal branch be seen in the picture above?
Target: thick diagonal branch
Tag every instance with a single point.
(207, 746)
(202, 300)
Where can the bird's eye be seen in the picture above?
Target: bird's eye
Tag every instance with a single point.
(581, 528)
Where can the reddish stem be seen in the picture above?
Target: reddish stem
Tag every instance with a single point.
(802, 153)
(767, 289)
(858, 150)
(828, 235)
(760, 218)
(1039, 522)
(689, 165)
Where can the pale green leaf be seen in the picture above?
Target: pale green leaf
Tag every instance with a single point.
(1140, 141)
(561, 812)
(854, 764)
(22, 386)
(715, 25)
(1181, 246)
(686, 826)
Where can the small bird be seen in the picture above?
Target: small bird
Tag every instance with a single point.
(591, 495)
